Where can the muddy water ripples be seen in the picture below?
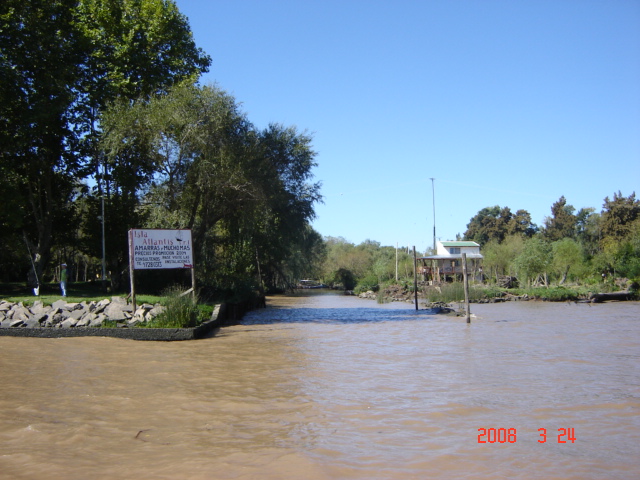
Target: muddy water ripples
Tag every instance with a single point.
(321, 386)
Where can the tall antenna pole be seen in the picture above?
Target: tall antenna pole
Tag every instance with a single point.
(104, 256)
(433, 190)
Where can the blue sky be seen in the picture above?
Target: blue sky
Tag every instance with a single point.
(503, 102)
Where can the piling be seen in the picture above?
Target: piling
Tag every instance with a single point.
(415, 277)
(465, 279)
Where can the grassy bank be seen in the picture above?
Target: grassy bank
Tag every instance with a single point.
(454, 292)
(181, 312)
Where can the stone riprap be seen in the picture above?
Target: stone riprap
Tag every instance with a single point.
(64, 319)
(71, 315)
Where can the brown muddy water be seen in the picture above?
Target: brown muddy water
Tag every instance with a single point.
(331, 387)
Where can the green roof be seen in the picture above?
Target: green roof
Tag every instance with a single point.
(460, 244)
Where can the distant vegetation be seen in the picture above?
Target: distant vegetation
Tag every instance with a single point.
(588, 250)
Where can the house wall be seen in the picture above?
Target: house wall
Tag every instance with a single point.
(444, 250)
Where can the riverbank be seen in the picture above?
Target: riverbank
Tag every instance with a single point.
(453, 292)
(106, 318)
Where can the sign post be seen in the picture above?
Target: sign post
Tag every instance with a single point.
(155, 249)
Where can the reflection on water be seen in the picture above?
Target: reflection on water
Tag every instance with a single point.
(324, 386)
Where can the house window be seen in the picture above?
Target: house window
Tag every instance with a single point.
(454, 250)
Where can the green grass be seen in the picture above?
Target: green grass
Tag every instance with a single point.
(76, 293)
(181, 312)
(454, 292)
(51, 299)
(553, 294)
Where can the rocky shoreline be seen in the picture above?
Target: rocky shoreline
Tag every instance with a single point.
(64, 319)
(73, 315)
(397, 293)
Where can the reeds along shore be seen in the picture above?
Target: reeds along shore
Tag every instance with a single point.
(453, 292)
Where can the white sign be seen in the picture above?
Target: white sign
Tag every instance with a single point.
(154, 249)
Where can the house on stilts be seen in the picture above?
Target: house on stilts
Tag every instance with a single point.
(446, 264)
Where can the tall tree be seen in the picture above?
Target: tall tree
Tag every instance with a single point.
(246, 195)
(588, 230)
(61, 62)
(567, 255)
(500, 257)
(284, 164)
(618, 216)
(41, 58)
(619, 236)
(495, 223)
(534, 261)
(562, 223)
(139, 48)
(186, 146)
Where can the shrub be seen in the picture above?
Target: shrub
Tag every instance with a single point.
(454, 292)
(181, 311)
(345, 278)
(370, 282)
(554, 294)
(381, 298)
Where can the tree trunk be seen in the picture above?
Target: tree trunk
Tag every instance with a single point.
(564, 276)
(40, 200)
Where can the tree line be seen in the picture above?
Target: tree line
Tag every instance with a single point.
(582, 246)
(104, 127)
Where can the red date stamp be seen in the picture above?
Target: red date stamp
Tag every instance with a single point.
(510, 435)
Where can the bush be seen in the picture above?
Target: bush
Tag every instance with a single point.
(554, 294)
(345, 278)
(381, 298)
(181, 311)
(370, 282)
(493, 291)
(454, 292)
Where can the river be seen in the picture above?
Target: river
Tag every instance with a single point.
(321, 386)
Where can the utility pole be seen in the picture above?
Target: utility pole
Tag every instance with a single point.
(104, 256)
(433, 191)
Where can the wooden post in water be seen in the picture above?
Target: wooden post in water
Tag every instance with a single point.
(415, 277)
(465, 278)
(132, 279)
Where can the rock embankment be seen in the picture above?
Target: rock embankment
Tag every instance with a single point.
(391, 293)
(75, 315)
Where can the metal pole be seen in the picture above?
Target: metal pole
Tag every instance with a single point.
(104, 256)
(104, 261)
(433, 192)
